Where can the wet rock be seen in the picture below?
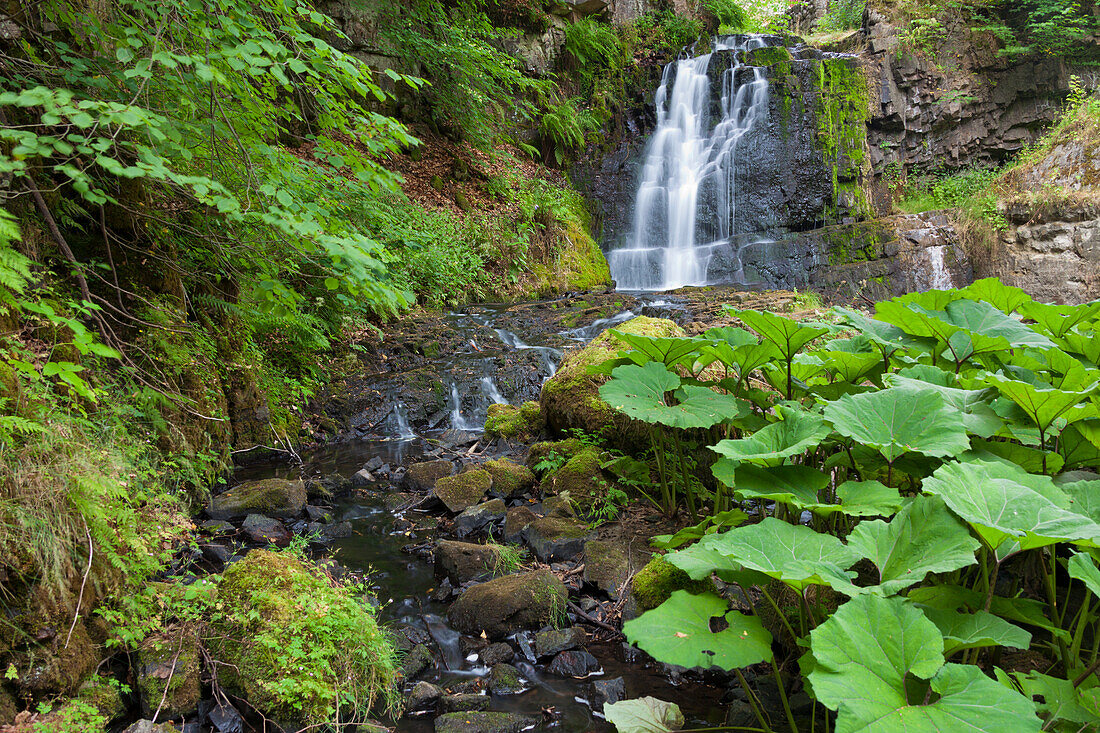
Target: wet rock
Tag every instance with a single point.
(608, 565)
(505, 605)
(558, 506)
(464, 490)
(515, 521)
(148, 726)
(265, 530)
(554, 538)
(496, 653)
(338, 530)
(509, 479)
(443, 593)
(477, 518)
(421, 477)
(552, 641)
(416, 661)
(318, 513)
(217, 553)
(397, 500)
(607, 692)
(226, 719)
(374, 464)
(406, 636)
(504, 679)
(168, 669)
(484, 722)
(463, 702)
(462, 562)
(577, 663)
(519, 422)
(216, 526)
(362, 478)
(423, 696)
(273, 497)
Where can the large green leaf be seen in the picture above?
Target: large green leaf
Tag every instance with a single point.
(1006, 298)
(1043, 406)
(956, 598)
(795, 554)
(850, 367)
(644, 715)
(1008, 506)
(667, 351)
(863, 655)
(978, 416)
(796, 432)
(886, 337)
(1059, 701)
(898, 420)
(796, 485)
(641, 392)
(924, 537)
(789, 336)
(681, 631)
(975, 630)
(1082, 567)
(1057, 320)
(1084, 343)
(866, 499)
(985, 320)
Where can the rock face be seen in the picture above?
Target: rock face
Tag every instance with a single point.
(503, 606)
(1053, 254)
(273, 497)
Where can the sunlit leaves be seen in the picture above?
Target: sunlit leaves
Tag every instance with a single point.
(642, 393)
(899, 420)
(796, 432)
(644, 715)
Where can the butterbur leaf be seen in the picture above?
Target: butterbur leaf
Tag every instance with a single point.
(924, 537)
(641, 392)
(789, 336)
(975, 630)
(1006, 298)
(863, 499)
(795, 485)
(797, 432)
(1043, 406)
(1082, 567)
(898, 420)
(1057, 699)
(863, 655)
(953, 598)
(667, 351)
(700, 631)
(644, 715)
(1057, 320)
(978, 416)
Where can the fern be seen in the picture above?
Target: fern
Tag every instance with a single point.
(564, 128)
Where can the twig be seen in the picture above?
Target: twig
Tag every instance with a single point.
(171, 674)
(592, 620)
(83, 582)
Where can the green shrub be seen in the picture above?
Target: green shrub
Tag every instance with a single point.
(727, 14)
(564, 129)
(843, 14)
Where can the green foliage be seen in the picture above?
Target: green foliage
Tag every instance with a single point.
(843, 14)
(972, 191)
(564, 129)
(1049, 27)
(728, 14)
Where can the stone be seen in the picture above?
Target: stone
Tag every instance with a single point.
(484, 722)
(463, 702)
(273, 497)
(318, 513)
(553, 451)
(578, 663)
(461, 562)
(514, 421)
(148, 726)
(477, 518)
(554, 539)
(216, 526)
(423, 696)
(607, 692)
(338, 530)
(464, 490)
(421, 477)
(549, 642)
(510, 479)
(558, 506)
(515, 521)
(504, 679)
(608, 565)
(496, 653)
(503, 606)
(264, 530)
(216, 553)
(657, 581)
(581, 479)
(416, 661)
(225, 719)
(362, 478)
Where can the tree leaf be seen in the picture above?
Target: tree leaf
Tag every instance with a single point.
(865, 651)
(796, 432)
(898, 420)
(924, 537)
(681, 631)
(644, 715)
(1006, 298)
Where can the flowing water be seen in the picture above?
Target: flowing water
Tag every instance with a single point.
(686, 205)
(941, 276)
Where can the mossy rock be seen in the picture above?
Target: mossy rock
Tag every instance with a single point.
(422, 476)
(509, 479)
(296, 645)
(464, 490)
(273, 497)
(658, 580)
(570, 400)
(506, 605)
(767, 56)
(581, 478)
(169, 659)
(563, 449)
(521, 422)
(554, 539)
(484, 722)
(608, 565)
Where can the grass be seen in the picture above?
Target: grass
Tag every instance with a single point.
(509, 559)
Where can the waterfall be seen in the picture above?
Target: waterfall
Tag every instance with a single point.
(690, 167)
(941, 277)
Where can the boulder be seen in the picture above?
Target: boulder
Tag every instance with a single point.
(608, 565)
(461, 562)
(265, 530)
(504, 679)
(477, 518)
(581, 478)
(607, 692)
(168, 673)
(509, 479)
(273, 497)
(421, 477)
(554, 539)
(521, 422)
(416, 661)
(496, 653)
(506, 605)
(577, 663)
(464, 490)
(484, 722)
(553, 451)
(423, 696)
(515, 522)
(549, 642)
(148, 726)
(570, 400)
(658, 580)
(463, 702)
(558, 506)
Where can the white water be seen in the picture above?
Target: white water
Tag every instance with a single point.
(489, 389)
(941, 277)
(401, 417)
(458, 421)
(688, 155)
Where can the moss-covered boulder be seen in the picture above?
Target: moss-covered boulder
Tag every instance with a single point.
(521, 422)
(506, 605)
(553, 452)
(461, 562)
(504, 679)
(515, 521)
(581, 478)
(554, 539)
(296, 645)
(484, 722)
(273, 497)
(509, 479)
(659, 579)
(168, 673)
(422, 476)
(464, 490)
(608, 565)
(570, 400)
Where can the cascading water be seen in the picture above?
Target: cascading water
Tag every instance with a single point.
(691, 164)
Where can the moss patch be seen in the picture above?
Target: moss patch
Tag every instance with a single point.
(509, 479)
(581, 478)
(659, 579)
(512, 421)
(464, 490)
(273, 497)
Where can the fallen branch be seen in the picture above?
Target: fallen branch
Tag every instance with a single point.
(592, 620)
(83, 582)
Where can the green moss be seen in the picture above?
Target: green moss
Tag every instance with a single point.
(510, 479)
(561, 450)
(581, 478)
(767, 56)
(170, 659)
(512, 421)
(659, 579)
(464, 490)
(843, 108)
(296, 645)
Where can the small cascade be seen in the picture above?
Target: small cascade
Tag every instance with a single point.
(401, 420)
(489, 389)
(941, 276)
(458, 421)
(691, 168)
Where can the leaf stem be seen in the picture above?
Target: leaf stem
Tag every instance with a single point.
(783, 697)
(753, 703)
